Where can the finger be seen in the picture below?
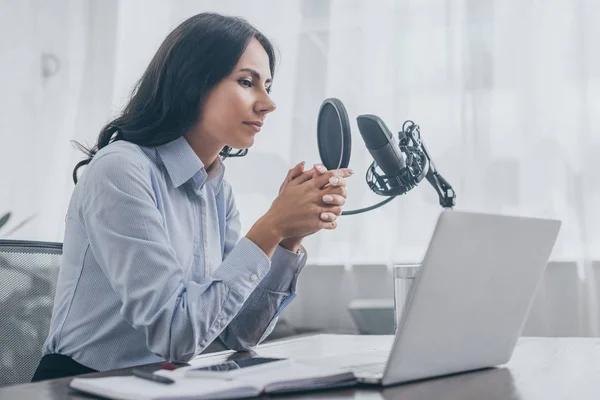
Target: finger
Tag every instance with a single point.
(296, 171)
(335, 181)
(303, 177)
(345, 172)
(329, 225)
(328, 177)
(292, 172)
(340, 173)
(337, 210)
(334, 199)
(328, 217)
(319, 169)
(339, 190)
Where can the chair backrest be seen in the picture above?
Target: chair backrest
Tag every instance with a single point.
(28, 275)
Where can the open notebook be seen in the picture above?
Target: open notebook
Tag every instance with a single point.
(280, 377)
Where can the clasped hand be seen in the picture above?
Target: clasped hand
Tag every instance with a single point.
(309, 201)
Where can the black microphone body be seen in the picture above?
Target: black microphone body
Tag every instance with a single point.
(403, 168)
(381, 144)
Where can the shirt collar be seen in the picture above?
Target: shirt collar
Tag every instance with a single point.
(183, 165)
(215, 175)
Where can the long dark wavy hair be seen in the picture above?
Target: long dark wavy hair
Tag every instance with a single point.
(165, 102)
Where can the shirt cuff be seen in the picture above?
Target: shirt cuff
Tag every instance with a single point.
(244, 268)
(285, 268)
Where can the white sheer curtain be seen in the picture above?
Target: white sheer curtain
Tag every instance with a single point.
(507, 94)
(70, 65)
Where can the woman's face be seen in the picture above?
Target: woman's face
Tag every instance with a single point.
(235, 109)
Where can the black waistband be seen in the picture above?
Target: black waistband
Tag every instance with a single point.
(53, 366)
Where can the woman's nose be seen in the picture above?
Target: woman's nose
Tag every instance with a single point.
(266, 105)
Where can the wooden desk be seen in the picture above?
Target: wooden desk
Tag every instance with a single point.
(540, 368)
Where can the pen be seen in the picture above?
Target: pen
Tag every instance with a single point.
(152, 377)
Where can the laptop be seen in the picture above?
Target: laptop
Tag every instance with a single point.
(469, 301)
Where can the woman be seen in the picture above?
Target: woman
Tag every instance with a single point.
(153, 265)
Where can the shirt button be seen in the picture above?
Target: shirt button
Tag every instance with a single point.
(253, 277)
(222, 322)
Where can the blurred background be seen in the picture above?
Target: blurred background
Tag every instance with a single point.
(507, 94)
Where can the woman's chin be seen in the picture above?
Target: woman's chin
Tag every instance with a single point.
(243, 144)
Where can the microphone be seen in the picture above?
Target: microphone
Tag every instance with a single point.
(399, 164)
(403, 162)
(381, 144)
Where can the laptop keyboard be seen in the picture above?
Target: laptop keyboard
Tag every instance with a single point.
(370, 363)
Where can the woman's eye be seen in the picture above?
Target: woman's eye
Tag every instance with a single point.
(245, 82)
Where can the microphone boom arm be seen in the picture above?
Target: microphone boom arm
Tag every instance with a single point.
(445, 192)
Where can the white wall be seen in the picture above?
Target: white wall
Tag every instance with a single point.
(565, 305)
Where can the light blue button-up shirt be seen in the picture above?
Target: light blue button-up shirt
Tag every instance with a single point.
(153, 267)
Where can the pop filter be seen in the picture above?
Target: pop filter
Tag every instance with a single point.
(333, 134)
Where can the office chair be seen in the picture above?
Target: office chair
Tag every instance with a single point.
(28, 276)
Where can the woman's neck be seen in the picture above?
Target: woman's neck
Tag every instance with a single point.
(206, 151)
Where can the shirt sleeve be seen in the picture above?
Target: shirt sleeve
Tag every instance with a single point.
(118, 209)
(257, 318)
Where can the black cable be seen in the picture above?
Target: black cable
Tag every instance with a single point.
(362, 210)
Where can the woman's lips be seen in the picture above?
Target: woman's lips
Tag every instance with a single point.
(254, 125)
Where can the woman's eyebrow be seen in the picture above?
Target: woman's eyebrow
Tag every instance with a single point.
(255, 74)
